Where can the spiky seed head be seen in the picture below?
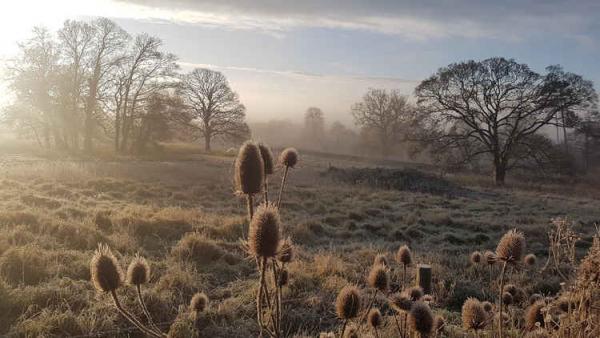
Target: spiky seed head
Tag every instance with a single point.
(285, 252)
(530, 259)
(199, 302)
(138, 271)
(403, 256)
(348, 302)
(533, 315)
(415, 293)
(401, 302)
(534, 298)
(105, 270)
(263, 238)
(476, 257)
(428, 299)
(487, 306)
(420, 318)
(283, 277)
(507, 298)
(288, 157)
(379, 278)
(267, 157)
(490, 257)
(439, 324)
(511, 247)
(474, 316)
(510, 288)
(381, 259)
(249, 169)
(374, 318)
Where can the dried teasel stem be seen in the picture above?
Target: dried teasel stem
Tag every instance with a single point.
(501, 321)
(132, 319)
(281, 188)
(145, 309)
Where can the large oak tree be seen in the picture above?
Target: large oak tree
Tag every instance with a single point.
(495, 107)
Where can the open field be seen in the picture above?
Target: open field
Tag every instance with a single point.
(184, 217)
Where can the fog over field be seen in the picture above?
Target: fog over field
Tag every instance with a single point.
(299, 169)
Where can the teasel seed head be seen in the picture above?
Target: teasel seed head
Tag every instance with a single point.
(401, 302)
(427, 299)
(264, 236)
(511, 247)
(490, 257)
(348, 302)
(415, 293)
(507, 298)
(285, 252)
(374, 318)
(288, 157)
(474, 316)
(476, 257)
(533, 315)
(530, 260)
(404, 256)
(138, 272)
(511, 288)
(106, 272)
(381, 259)
(420, 318)
(199, 302)
(283, 277)
(534, 298)
(379, 278)
(249, 169)
(487, 306)
(267, 157)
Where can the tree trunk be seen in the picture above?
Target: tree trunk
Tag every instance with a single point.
(499, 173)
(207, 138)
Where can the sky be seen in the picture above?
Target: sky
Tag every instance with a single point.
(285, 56)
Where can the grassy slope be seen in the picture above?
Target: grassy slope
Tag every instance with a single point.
(183, 216)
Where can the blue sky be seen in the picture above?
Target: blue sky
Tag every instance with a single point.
(283, 56)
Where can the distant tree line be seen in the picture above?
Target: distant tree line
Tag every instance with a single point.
(93, 82)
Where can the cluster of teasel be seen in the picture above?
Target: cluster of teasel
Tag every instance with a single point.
(265, 242)
(252, 167)
(411, 304)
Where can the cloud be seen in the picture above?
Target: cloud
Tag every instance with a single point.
(417, 20)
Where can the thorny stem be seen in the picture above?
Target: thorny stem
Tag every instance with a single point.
(364, 316)
(397, 323)
(131, 318)
(500, 317)
(344, 328)
(285, 173)
(376, 333)
(259, 297)
(145, 309)
(277, 300)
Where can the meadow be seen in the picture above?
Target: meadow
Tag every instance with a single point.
(182, 214)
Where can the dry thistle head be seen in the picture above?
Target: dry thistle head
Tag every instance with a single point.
(510, 288)
(348, 302)
(379, 278)
(374, 318)
(476, 257)
(263, 238)
(288, 157)
(283, 277)
(490, 257)
(420, 318)
(533, 315)
(415, 293)
(267, 157)
(138, 272)
(403, 256)
(474, 316)
(487, 306)
(199, 302)
(511, 247)
(439, 324)
(106, 273)
(249, 169)
(530, 259)
(534, 298)
(381, 259)
(285, 252)
(507, 298)
(401, 302)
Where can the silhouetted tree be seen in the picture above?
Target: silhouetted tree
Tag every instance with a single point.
(384, 113)
(493, 107)
(215, 108)
(314, 126)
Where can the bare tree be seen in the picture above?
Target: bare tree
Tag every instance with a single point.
(215, 108)
(383, 113)
(314, 126)
(493, 107)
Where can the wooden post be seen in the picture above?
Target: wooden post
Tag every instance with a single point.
(424, 278)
